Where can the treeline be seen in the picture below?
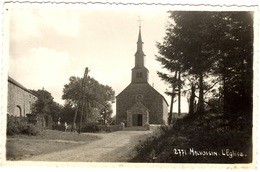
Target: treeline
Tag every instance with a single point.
(98, 102)
(209, 58)
(210, 54)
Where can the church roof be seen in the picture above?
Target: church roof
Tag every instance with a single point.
(138, 105)
(138, 67)
(145, 85)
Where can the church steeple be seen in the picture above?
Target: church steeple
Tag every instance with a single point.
(139, 41)
(139, 55)
(139, 72)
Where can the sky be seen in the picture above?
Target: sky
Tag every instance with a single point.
(48, 46)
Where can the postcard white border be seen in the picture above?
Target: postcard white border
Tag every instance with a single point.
(237, 6)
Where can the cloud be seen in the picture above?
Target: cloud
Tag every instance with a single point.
(24, 24)
(41, 67)
(65, 23)
(28, 23)
(104, 41)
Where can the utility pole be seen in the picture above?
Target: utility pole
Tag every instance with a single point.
(75, 116)
(80, 101)
(84, 86)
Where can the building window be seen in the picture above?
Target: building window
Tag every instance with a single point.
(139, 75)
(18, 111)
(30, 106)
(30, 95)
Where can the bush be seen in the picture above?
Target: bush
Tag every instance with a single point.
(29, 129)
(59, 127)
(200, 133)
(90, 128)
(14, 127)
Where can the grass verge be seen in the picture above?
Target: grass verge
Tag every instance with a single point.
(22, 146)
(197, 139)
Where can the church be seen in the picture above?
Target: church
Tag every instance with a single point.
(139, 104)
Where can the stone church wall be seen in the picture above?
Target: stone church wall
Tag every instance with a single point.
(151, 99)
(165, 112)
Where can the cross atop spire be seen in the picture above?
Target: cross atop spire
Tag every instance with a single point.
(139, 20)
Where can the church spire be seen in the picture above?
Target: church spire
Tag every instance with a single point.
(140, 42)
(139, 55)
(139, 37)
(139, 72)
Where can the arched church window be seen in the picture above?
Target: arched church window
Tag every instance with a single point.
(18, 111)
(30, 105)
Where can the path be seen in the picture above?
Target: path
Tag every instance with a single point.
(113, 147)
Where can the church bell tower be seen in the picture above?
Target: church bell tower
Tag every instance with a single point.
(139, 72)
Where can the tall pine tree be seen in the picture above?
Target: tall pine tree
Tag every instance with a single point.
(205, 45)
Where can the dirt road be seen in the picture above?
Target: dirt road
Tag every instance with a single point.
(113, 147)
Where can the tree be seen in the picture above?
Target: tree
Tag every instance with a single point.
(106, 112)
(207, 45)
(186, 47)
(97, 97)
(72, 91)
(235, 64)
(67, 113)
(56, 110)
(46, 105)
(174, 83)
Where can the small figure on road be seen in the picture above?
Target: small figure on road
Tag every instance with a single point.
(73, 128)
(66, 126)
(59, 121)
(122, 125)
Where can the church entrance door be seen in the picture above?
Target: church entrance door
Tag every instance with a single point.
(137, 120)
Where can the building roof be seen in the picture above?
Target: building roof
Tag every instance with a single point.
(144, 84)
(11, 80)
(138, 105)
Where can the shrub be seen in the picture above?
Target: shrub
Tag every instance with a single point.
(12, 129)
(30, 129)
(90, 128)
(201, 133)
(59, 127)
(15, 127)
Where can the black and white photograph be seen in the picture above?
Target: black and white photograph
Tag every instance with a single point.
(116, 83)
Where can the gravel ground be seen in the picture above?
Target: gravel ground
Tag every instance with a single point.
(112, 147)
